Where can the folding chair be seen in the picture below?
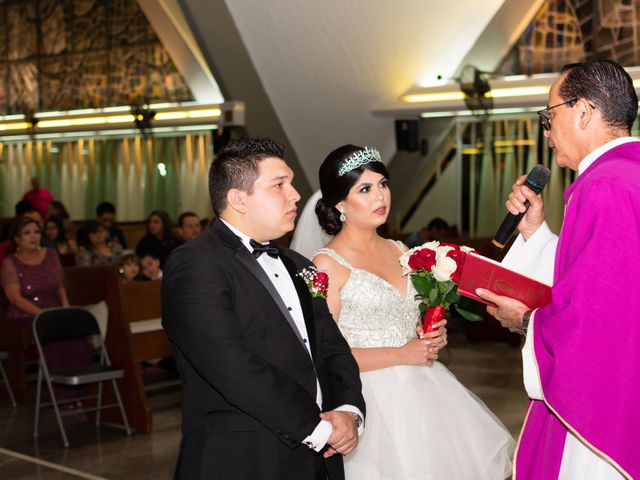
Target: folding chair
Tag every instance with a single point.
(68, 323)
(3, 356)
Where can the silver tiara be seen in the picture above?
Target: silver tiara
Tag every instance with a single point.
(359, 158)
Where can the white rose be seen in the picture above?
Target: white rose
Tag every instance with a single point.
(404, 260)
(404, 263)
(430, 245)
(443, 269)
(466, 249)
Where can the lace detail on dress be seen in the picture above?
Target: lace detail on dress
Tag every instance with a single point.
(373, 313)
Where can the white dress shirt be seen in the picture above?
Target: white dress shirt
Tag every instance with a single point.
(536, 257)
(281, 280)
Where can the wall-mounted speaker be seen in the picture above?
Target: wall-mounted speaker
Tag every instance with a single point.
(407, 136)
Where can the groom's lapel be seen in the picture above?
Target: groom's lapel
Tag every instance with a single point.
(305, 301)
(251, 264)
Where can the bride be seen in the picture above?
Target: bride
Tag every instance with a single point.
(421, 422)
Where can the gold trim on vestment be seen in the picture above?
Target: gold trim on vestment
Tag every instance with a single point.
(564, 422)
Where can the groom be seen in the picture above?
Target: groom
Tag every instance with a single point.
(260, 358)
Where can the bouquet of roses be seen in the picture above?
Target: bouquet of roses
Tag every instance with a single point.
(435, 269)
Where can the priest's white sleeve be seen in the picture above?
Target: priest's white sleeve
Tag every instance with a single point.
(534, 257)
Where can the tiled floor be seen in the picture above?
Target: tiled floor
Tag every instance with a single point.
(491, 370)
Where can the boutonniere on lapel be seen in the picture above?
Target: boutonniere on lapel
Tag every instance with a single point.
(317, 282)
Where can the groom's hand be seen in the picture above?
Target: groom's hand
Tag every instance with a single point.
(344, 433)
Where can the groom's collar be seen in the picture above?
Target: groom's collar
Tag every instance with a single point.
(244, 238)
(231, 235)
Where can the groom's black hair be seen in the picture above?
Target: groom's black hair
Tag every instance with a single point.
(237, 166)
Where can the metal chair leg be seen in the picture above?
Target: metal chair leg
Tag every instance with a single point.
(121, 405)
(99, 404)
(6, 382)
(38, 392)
(58, 417)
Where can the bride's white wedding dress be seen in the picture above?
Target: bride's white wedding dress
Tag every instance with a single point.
(421, 422)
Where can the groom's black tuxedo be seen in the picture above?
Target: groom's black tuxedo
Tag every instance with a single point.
(249, 382)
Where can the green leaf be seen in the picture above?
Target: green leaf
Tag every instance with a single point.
(452, 297)
(421, 284)
(446, 287)
(433, 297)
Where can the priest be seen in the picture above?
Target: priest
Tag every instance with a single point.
(580, 358)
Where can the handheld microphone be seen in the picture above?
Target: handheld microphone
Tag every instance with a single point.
(536, 180)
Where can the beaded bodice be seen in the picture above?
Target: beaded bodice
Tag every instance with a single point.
(373, 312)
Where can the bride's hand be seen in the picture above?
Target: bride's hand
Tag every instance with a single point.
(438, 336)
(416, 352)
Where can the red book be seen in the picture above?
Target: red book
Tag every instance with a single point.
(482, 272)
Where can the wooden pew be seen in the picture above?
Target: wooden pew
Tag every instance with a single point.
(134, 335)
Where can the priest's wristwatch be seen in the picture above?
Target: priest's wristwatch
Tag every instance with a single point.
(525, 321)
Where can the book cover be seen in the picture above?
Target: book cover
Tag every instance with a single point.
(482, 272)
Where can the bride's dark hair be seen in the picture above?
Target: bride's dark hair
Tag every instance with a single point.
(335, 188)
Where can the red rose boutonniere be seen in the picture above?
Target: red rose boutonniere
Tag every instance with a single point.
(317, 282)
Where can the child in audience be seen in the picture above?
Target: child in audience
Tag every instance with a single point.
(129, 268)
(150, 264)
(54, 229)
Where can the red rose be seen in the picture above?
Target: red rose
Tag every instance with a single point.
(452, 245)
(321, 281)
(422, 259)
(459, 257)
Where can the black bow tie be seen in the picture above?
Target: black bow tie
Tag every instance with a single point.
(258, 249)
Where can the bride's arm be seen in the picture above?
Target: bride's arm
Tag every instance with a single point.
(414, 352)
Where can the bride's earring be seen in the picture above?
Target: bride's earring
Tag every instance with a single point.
(342, 217)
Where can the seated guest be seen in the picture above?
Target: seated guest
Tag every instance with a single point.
(151, 266)
(129, 268)
(190, 226)
(436, 229)
(97, 250)
(55, 231)
(159, 239)
(57, 209)
(23, 209)
(32, 279)
(32, 275)
(106, 216)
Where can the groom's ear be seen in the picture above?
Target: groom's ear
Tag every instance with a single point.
(237, 200)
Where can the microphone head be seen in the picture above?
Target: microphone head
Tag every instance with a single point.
(538, 178)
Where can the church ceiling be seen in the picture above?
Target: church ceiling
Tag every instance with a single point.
(76, 54)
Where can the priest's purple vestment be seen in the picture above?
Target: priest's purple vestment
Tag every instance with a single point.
(587, 340)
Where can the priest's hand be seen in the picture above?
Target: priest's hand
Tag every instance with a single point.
(509, 311)
(515, 204)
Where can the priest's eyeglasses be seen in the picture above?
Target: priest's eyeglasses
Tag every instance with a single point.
(545, 117)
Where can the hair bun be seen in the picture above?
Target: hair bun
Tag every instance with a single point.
(328, 217)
